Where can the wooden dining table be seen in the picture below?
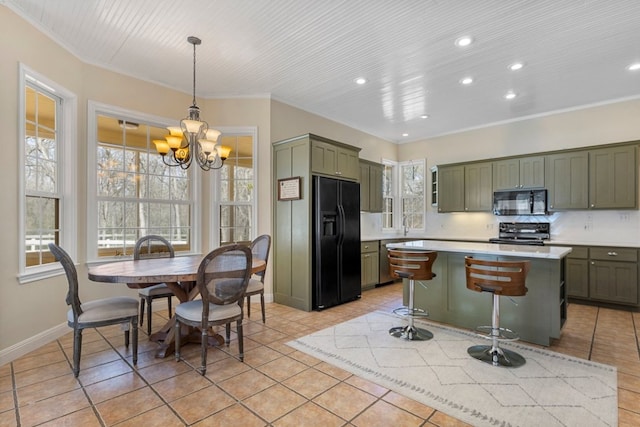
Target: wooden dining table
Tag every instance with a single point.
(179, 273)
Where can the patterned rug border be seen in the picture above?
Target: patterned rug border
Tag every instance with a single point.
(470, 414)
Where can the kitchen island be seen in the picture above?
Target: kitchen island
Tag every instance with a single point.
(538, 316)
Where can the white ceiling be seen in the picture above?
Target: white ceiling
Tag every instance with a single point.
(307, 53)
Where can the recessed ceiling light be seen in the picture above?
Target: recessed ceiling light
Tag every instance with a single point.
(466, 80)
(516, 66)
(360, 80)
(510, 95)
(634, 67)
(405, 134)
(424, 116)
(464, 41)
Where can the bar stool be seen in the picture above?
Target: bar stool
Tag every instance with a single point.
(412, 265)
(498, 278)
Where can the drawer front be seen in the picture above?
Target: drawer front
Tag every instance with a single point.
(369, 246)
(579, 252)
(614, 254)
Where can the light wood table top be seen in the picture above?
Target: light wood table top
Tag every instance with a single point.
(179, 274)
(149, 271)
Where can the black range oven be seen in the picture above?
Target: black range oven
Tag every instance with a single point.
(523, 233)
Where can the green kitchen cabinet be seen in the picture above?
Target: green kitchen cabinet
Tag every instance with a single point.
(478, 187)
(613, 275)
(369, 264)
(567, 179)
(334, 159)
(613, 178)
(451, 189)
(465, 188)
(521, 172)
(371, 186)
(577, 275)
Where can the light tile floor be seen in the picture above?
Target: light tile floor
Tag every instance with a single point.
(274, 386)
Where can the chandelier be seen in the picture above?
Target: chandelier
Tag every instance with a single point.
(193, 139)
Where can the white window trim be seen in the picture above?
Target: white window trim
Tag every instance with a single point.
(214, 226)
(67, 166)
(95, 108)
(395, 191)
(425, 190)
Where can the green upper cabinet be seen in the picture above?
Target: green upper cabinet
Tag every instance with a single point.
(523, 172)
(370, 186)
(612, 178)
(465, 188)
(478, 190)
(451, 189)
(567, 180)
(334, 160)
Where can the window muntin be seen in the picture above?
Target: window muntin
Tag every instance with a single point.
(236, 191)
(41, 174)
(412, 194)
(388, 196)
(136, 193)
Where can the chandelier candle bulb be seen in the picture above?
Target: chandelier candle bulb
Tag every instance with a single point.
(161, 146)
(207, 146)
(174, 142)
(193, 136)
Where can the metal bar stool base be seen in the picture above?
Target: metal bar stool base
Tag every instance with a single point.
(410, 333)
(496, 356)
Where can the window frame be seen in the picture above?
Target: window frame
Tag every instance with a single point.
(94, 110)
(214, 183)
(401, 165)
(394, 196)
(66, 146)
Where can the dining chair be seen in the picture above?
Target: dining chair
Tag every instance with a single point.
(222, 280)
(260, 250)
(153, 246)
(94, 314)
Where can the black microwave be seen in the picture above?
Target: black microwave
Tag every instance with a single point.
(520, 202)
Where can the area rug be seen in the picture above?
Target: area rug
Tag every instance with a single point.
(551, 389)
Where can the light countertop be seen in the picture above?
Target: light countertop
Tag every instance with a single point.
(548, 252)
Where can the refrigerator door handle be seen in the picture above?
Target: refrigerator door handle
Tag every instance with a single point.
(341, 224)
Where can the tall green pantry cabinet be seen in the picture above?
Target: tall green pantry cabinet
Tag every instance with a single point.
(303, 157)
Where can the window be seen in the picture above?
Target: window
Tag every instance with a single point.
(133, 191)
(47, 159)
(236, 190)
(388, 194)
(412, 193)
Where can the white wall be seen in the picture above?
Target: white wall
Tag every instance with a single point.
(604, 124)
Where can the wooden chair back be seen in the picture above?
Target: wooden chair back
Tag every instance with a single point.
(72, 277)
(223, 276)
(499, 277)
(153, 246)
(260, 249)
(408, 264)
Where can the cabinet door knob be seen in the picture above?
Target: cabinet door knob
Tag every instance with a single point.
(593, 263)
(612, 253)
(593, 206)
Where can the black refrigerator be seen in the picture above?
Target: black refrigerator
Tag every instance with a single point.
(336, 242)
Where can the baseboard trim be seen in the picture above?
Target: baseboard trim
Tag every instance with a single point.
(10, 354)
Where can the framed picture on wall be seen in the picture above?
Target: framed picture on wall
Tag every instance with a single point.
(289, 188)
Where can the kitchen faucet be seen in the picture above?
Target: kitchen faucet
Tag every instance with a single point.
(404, 225)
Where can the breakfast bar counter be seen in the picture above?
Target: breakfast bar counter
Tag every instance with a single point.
(538, 316)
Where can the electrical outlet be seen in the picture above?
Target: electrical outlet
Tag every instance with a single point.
(624, 217)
